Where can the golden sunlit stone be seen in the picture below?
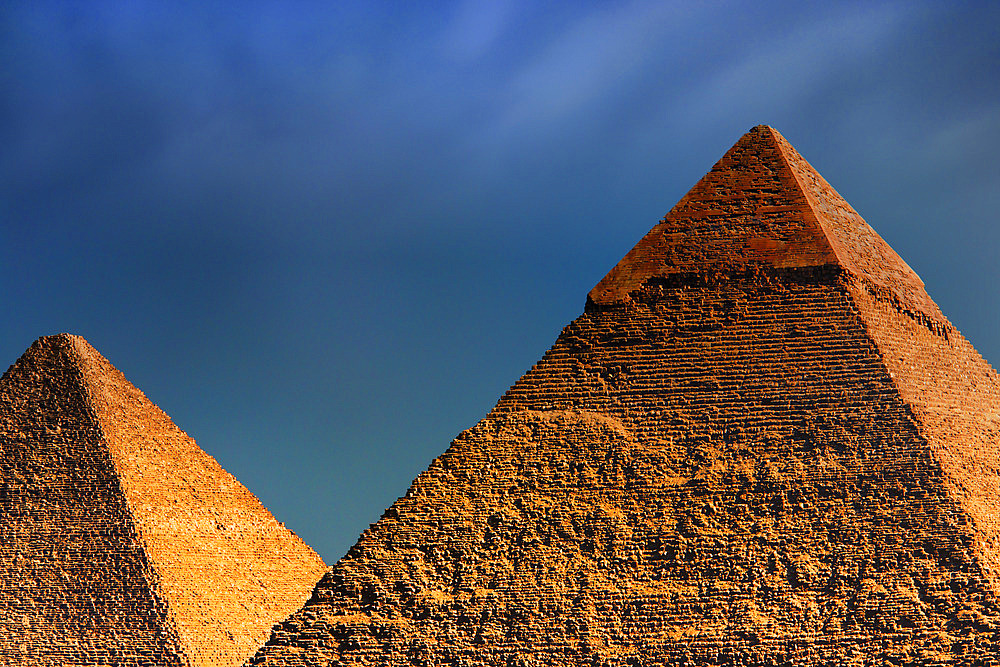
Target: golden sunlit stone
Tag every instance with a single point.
(123, 543)
(760, 444)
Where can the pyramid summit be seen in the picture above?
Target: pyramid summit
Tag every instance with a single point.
(760, 444)
(763, 203)
(121, 541)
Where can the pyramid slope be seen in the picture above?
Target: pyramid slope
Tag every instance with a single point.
(723, 473)
(955, 396)
(77, 587)
(227, 568)
(222, 568)
(785, 456)
(763, 203)
(858, 247)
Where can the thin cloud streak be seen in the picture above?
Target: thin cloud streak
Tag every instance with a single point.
(788, 68)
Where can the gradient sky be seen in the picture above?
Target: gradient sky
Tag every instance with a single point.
(325, 237)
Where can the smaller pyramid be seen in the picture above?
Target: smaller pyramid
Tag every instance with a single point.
(121, 541)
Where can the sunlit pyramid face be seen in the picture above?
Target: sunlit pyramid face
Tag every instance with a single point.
(760, 444)
(123, 543)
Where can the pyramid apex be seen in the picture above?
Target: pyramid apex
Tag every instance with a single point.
(763, 204)
(56, 352)
(40, 354)
(63, 337)
(59, 340)
(761, 128)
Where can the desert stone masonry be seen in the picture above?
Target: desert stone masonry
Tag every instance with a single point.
(121, 541)
(760, 444)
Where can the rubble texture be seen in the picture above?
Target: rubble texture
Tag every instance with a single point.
(761, 444)
(121, 541)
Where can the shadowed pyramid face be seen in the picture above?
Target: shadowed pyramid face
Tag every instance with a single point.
(123, 543)
(761, 444)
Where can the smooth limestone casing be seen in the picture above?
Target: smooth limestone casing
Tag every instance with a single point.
(761, 444)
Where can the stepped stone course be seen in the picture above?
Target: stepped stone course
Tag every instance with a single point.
(121, 541)
(760, 444)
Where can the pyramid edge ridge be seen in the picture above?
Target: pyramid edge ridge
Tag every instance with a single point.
(916, 299)
(780, 142)
(73, 343)
(66, 343)
(95, 370)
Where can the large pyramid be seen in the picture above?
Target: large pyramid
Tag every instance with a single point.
(122, 542)
(761, 444)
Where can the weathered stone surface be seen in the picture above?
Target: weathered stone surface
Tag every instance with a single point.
(761, 444)
(121, 541)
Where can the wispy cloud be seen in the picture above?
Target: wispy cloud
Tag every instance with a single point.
(791, 66)
(476, 26)
(599, 53)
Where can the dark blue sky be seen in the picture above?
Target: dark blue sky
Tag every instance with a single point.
(325, 237)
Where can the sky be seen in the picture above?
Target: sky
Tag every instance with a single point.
(326, 237)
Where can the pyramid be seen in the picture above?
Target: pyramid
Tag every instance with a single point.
(121, 541)
(760, 444)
